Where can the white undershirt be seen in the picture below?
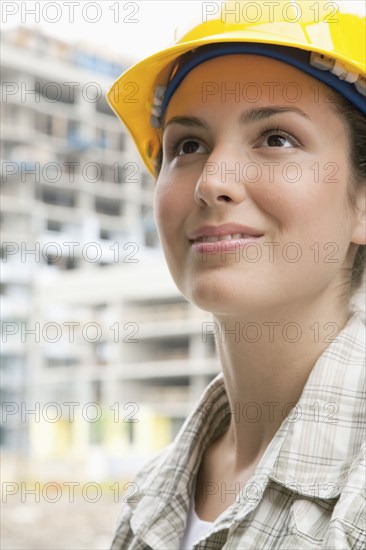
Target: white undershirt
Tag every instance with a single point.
(195, 528)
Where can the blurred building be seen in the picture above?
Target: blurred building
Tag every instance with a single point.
(80, 251)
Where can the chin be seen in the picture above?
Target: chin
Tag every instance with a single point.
(218, 300)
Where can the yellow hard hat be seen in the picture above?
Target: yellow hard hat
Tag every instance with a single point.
(333, 42)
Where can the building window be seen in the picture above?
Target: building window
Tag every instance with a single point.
(105, 235)
(103, 107)
(130, 427)
(55, 91)
(54, 226)
(64, 263)
(121, 139)
(55, 196)
(96, 432)
(104, 206)
(43, 123)
(101, 138)
(62, 361)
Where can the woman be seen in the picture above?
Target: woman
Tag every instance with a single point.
(255, 134)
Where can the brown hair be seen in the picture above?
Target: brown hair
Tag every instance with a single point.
(356, 127)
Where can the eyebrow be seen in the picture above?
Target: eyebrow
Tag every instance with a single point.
(246, 117)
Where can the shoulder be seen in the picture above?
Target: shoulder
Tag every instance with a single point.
(147, 478)
(168, 474)
(161, 474)
(143, 484)
(347, 527)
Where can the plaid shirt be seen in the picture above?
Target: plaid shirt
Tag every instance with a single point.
(307, 491)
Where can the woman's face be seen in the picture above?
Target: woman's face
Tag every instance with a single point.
(270, 154)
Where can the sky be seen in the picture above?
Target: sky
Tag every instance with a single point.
(136, 28)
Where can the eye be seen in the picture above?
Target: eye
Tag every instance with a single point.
(278, 138)
(185, 147)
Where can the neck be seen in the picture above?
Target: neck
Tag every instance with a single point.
(266, 358)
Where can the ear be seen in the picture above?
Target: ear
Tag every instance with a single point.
(359, 229)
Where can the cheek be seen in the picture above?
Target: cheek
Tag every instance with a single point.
(175, 188)
(299, 199)
(159, 209)
(169, 207)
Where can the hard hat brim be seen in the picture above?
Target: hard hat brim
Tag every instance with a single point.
(131, 96)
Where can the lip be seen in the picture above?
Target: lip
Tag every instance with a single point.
(226, 229)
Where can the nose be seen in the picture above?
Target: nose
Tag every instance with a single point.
(221, 179)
